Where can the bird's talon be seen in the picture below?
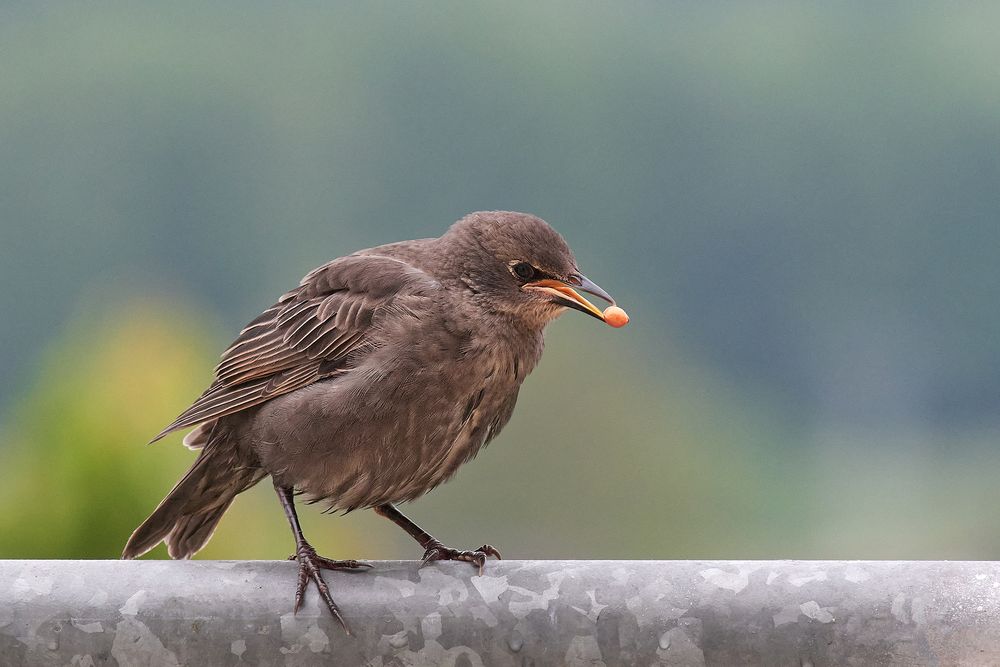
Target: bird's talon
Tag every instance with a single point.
(328, 564)
(490, 550)
(477, 557)
(429, 556)
(310, 565)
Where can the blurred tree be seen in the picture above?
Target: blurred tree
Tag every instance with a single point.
(78, 478)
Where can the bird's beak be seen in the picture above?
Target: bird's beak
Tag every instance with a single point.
(562, 292)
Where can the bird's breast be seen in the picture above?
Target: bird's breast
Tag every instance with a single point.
(394, 428)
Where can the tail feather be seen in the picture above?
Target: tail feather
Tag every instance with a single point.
(200, 436)
(187, 517)
(193, 531)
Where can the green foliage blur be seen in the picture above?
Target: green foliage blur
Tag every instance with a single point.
(118, 377)
(796, 203)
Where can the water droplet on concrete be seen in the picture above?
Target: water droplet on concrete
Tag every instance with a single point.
(665, 641)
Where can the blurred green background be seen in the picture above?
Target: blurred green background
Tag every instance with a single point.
(799, 205)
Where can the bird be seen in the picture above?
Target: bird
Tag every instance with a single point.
(371, 382)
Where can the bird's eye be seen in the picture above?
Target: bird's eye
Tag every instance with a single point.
(523, 270)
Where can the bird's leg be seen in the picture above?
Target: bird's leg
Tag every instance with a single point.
(433, 549)
(310, 563)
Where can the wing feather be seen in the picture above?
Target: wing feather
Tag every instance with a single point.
(307, 335)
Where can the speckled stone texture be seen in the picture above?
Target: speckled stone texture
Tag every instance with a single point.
(88, 613)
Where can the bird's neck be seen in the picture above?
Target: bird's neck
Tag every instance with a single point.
(475, 308)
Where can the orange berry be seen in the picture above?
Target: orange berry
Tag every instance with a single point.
(615, 316)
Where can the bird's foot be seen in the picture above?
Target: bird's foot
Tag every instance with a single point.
(438, 551)
(310, 565)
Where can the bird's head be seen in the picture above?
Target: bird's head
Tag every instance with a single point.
(517, 265)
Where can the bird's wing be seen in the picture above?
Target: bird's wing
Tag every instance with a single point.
(307, 335)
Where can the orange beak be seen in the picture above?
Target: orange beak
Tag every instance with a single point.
(564, 294)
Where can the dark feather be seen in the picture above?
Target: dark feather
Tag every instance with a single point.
(305, 337)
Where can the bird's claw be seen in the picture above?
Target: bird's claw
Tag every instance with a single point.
(438, 551)
(328, 564)
(310, 565)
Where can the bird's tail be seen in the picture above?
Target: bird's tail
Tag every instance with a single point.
(187, 517)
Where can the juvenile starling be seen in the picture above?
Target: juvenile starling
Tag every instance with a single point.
(372, 382)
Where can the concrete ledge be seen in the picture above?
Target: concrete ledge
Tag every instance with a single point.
(519, 613)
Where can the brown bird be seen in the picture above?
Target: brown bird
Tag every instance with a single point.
(373, 381)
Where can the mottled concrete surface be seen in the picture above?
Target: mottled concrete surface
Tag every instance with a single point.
(91, 613)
